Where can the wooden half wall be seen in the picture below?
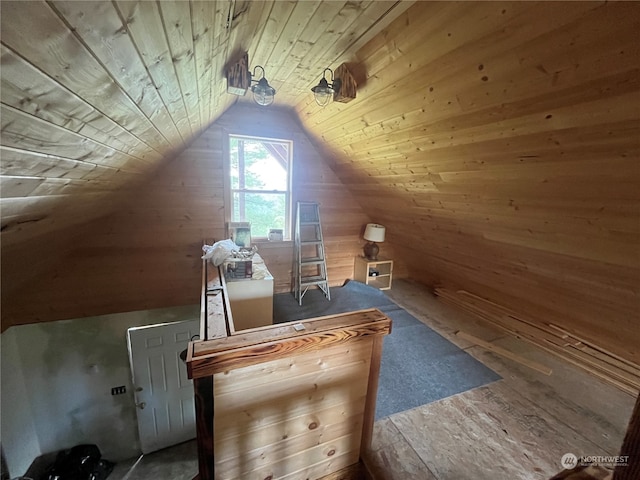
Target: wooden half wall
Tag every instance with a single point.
(147, 254)
(292, 400)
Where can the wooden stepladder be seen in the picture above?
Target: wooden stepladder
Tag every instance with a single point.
(311, 264)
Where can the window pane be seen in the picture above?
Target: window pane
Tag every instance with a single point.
(258, 165)
(233, 162)
(263, 210)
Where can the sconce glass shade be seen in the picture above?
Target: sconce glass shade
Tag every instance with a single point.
(374, 232)
(322, 92)
(263, 93)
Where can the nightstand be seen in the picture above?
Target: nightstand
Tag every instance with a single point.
(377, 273)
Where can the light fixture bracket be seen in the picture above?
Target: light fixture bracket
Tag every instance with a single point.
(348, 85)
(240, 79)
(239, 76)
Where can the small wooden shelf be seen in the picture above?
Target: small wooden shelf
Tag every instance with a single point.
(376, 273)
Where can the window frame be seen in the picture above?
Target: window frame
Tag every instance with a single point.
(229, 191)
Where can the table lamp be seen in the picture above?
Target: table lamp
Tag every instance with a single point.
(373, 233)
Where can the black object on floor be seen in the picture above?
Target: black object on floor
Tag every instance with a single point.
(419, 365)
(82, 462)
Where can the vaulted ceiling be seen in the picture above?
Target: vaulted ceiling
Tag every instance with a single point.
(96, 94)
(499, 142)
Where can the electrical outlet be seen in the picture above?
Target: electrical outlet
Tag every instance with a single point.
(118, 390)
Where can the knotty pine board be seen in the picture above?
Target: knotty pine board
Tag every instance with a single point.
(22, 80)
(71, 64)
(117, 52)
(311, 404)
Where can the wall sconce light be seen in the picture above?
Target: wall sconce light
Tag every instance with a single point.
(263, 93)
(342, 88)
(325, 90)
(239, 80)
(373, 233)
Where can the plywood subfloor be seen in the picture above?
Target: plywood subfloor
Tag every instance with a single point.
(516, 428)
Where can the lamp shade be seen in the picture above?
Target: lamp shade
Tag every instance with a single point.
(263, 92)
(323, 92)
(374, 232)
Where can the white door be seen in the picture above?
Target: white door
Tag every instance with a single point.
(163, 393)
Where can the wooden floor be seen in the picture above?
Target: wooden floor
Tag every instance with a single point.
(516, 428)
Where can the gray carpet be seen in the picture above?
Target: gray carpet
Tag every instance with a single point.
(418, 365)
(351, 296)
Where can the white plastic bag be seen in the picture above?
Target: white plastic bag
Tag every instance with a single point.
(219, 251)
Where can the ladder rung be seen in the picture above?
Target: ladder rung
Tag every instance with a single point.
(315, 280)
(309, 223)
(311, 242)
(311, 284)
(312, 261)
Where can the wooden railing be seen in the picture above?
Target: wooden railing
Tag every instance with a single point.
(289, 401)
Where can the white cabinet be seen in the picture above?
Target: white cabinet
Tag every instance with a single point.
(251, 300)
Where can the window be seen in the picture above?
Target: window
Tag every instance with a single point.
(260, 184)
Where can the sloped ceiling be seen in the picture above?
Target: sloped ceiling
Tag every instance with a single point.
(96, 94)
(499, 142)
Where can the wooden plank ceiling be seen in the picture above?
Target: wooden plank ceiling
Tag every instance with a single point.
(96, 94)
(499, 142)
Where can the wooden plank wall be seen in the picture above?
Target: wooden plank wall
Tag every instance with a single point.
(298, 417)
(499, 143)
(147, 255)
(342, 217)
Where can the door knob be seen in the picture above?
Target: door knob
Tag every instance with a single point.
(141, 405)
